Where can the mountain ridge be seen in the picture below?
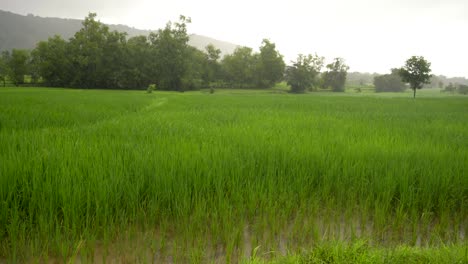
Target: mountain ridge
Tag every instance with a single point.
(25, 31)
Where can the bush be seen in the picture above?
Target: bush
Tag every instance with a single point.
(462, 89)
(389, 83)
(151, 88)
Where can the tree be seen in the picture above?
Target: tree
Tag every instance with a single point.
(450, 88)
(303, 72)
(51, 58)
(270, 65)
(171, 54)
(335, 76)
(239, 68)
(389, 82)
(416, 72)
(113, 62)
(212, 67)
(4, 57)
(462, 89)
(440, 84)
(139, 64)
(196, 69)
(86, 51)
(18, 65)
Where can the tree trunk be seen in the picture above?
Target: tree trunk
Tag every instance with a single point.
(414, 93)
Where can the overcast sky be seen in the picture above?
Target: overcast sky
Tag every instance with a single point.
(371, 35)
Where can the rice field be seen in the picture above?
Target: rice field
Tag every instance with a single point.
(234, 176)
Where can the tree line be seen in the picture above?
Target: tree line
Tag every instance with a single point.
(96, 57)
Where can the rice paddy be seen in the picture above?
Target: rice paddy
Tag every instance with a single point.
(252, 176)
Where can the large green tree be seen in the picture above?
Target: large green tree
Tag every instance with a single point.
(335, 76)
(52, 60)
(212, 68)
(112, 62)
(239, 68)
(270, 67)
(302, 75)
(18, 65)
(171, 54)
(86, 51)
(138, 71)
(416, 72)
(196, 69)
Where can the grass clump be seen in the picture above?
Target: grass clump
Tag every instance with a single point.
(359, 252)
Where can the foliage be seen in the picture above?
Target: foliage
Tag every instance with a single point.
(97, 55)
(360, 252)
(270, 67)
(389, 82)
(462, 89)
(456, 88)
(335, 76)
(18, 65)
(98, 58)
(141, 63)
(87, 47)
(151, 88)
(245, 69)
(52, 61)
(239, 68)
(197, 68)
(4, 57)
(451, 88)
(171, 54)
(301, 76)
(212, 72)
(416, 72)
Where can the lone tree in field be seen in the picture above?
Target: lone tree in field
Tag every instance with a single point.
(416, 72)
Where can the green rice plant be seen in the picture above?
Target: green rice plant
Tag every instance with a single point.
(192, 177)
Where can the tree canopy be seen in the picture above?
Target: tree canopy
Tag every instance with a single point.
(416, 72)
(389, 82)
(301, 76)
(239, 68)
(171, 54)
(335, 76)
(4, 56)
(18, 64)
(270, 65)
(96, 57)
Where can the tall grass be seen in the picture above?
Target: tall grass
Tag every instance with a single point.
(195, 176)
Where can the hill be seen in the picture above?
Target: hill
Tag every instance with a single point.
(23, 32)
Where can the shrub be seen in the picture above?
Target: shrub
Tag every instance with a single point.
(151, 88)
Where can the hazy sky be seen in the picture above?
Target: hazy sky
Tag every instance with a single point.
(371, 35)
